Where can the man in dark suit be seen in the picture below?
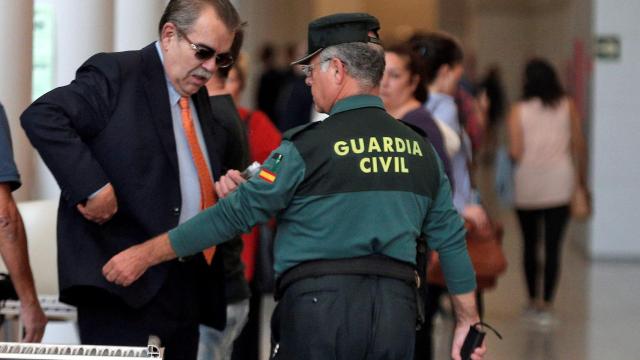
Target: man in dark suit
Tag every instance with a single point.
(135, 146)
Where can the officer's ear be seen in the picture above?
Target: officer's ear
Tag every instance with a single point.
(337, 69)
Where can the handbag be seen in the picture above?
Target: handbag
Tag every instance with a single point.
(581, 203)
(485, 251)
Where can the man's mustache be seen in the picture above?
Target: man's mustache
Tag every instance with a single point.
(202, 73)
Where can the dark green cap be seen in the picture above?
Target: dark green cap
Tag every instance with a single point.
(339, 29)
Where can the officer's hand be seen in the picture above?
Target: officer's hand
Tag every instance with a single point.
(101, 207)
(127, 266)
(228, 183)
(34, 321)
(458, 339)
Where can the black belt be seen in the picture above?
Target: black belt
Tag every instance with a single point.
(377, 265)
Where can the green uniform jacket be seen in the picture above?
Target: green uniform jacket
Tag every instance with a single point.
(356, 184)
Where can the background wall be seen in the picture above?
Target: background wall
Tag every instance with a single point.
(614, 162)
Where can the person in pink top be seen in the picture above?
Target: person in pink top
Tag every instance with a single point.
(548, 149)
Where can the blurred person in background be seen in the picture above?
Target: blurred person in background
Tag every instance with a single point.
(263, 136)
(548, 148)
(443, 70)
(403, 92)
(270, 82)
(295, 103)
(13, 240)
(493, 99)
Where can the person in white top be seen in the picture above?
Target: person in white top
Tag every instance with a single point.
(548, 149)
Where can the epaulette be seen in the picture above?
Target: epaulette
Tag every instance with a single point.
(415, 128)
(293, 132)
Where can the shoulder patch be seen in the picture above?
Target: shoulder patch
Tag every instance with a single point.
(291, 133)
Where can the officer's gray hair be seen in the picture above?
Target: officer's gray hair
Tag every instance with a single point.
(363, 61)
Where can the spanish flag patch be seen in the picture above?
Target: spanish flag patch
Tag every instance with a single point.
(267, 176)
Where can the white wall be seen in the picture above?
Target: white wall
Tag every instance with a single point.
(616, 130)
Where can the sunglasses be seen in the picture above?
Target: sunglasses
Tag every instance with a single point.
(205, 53)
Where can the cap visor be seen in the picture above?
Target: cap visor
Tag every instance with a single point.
(305, 60)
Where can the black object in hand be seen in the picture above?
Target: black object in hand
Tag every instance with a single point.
(471, 342)
(474, 340)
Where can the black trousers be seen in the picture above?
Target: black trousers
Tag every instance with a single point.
(172, 315)
(346, 317)
(554, 221)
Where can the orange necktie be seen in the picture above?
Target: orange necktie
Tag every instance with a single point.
(207, 192)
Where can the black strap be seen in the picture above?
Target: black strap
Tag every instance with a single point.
(378, 265)
(484, 324)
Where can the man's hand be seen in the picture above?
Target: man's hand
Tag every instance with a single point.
(128, 265)
(101, 207)
(228, 183)
(459, 335)
(34, 321)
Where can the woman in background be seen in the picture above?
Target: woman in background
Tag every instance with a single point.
(264, 137)
(403, 92)
(545, 138)
(443, 69)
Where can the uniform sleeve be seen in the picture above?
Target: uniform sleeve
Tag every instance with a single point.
(444, 230)
(255, 201)
(8, 170)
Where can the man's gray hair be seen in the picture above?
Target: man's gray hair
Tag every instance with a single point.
(183, 13)
(363, 61)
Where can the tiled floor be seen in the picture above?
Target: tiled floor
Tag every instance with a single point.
(597, 305)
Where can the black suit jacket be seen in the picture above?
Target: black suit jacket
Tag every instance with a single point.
(113, 124)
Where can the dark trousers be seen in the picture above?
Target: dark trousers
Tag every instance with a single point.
(554, 221)
(346, 317)
(172, 315)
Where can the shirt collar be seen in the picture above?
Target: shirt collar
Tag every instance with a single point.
(174, 96)
(356, 102)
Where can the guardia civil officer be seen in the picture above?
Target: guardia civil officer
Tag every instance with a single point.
(352, 195)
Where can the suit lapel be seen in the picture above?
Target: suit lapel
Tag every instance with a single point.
(155, 88)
